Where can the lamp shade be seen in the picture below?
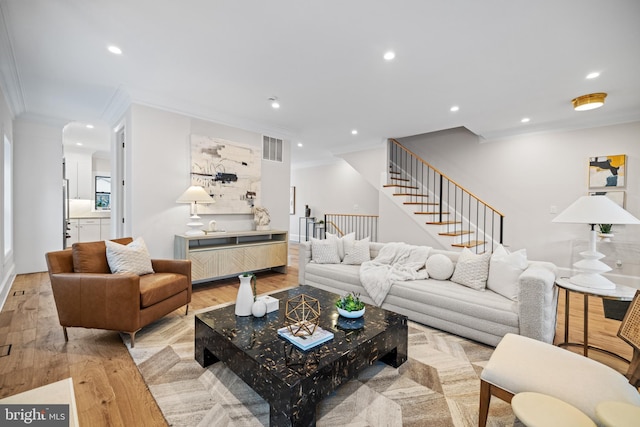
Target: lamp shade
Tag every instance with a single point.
(595, 210)
(195, 194)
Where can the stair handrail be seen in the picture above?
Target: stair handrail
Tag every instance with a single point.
(442, 174)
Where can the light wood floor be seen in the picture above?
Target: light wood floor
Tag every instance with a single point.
(109, 388)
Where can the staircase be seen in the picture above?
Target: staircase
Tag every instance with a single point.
(447, 210)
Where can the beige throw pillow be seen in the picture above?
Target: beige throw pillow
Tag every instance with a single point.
(356, 252)
(132, 258)
(472, 270)
(324, 251)
(505, 269)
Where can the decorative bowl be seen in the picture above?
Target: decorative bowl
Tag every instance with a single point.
(350, 314)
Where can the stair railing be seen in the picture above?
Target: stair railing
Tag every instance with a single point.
(444, 202)
(362, 225)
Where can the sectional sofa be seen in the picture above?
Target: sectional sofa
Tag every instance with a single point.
(525, 304)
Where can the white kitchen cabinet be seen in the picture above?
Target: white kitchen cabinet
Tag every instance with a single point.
(105, 228)
(78, 172)
(88, 230)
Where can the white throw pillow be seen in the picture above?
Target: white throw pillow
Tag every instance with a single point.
(132, 258)
(472, 270)
(504, 270)
(439, 267)
(357, 252)
(324, 251)
(341, 241)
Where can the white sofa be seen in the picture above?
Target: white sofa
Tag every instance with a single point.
(483, 316)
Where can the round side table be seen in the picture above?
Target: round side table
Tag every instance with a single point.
(541, 410)
(618, 414)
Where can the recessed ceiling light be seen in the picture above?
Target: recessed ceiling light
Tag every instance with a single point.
(389, 55)
(593, 75)
(525, 120)
(79, 143)
(89, 126)
(354, 132)
(454, 108)
(274, 102)
(115, 50)
(299, 144)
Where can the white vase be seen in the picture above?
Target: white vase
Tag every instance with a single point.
(259, 308)
(244, 300)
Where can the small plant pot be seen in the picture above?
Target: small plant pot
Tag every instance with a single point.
(350, 314)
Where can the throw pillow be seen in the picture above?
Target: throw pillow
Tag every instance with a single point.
(357, 252)
(132, 258)
(324, 251)
(341, 241)
(504, 270)
(439, 267)
(472, 270)
(91, 257)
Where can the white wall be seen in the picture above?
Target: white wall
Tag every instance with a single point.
(336, 188)
(524, 176)
(38, 193)
(158, 157)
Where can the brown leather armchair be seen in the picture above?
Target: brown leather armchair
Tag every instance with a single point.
(87, 294)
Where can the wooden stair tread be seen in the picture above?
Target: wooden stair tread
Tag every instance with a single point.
(443, 222)
(410, 194)
(399, 179)
(455, 233)
(431, 213)
(421, 203)
(400, 186)
(469, 244)
(395, 172)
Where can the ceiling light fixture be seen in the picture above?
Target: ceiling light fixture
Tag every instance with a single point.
(589, 102)
(454, 109)
(115, 50)
(89, 126)
(354, 132)
(525, 120)
(274, 102)
(389, 55)
(593, 75)
(299, 144)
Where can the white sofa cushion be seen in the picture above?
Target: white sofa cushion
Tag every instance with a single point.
(504, 270)
(472, 270)
(439, 267)
(356, 252)
(340, 242)
(324, 251)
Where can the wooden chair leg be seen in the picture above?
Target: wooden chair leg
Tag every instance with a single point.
(133, 338)
(633, 373)
(485, 399)
(64, 331)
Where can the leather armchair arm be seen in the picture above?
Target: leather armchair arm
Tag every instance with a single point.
(105, 301)
(177, 266)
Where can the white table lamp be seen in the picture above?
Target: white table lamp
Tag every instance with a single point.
(594, 210)
(194, 195)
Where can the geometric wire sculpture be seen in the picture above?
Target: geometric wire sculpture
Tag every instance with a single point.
(302, 315)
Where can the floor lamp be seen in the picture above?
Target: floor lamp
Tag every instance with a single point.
(194, 195)
(594, 210)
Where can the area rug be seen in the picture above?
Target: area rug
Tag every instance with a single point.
(438, 386)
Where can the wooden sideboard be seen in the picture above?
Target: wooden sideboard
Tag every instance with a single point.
(223, 254)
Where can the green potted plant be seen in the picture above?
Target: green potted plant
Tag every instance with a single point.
(605, 232)
(350, 306)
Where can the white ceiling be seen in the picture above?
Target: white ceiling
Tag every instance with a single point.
(499, 60)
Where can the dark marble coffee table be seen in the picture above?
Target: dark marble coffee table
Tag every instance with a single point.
(291, 380)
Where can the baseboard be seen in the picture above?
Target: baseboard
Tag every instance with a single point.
(7, 282)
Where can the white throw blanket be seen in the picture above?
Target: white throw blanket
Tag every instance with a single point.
(395, 262)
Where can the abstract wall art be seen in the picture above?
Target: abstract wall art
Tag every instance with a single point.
(230, 172)
(608, 171)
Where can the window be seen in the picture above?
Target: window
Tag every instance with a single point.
(8, 197)
(271, 149)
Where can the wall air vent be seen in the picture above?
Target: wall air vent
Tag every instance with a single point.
(271, 149)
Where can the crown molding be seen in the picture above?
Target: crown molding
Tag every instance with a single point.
(117, 106)
(9, 76)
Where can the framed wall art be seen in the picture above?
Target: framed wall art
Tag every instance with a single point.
(230, 172)
(608, 171)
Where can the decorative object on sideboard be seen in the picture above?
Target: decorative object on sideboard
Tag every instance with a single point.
(605, 233)
(194, 195)
(261, 218)
(307, 211)
(302, 315)
(245, 297)
(593, 210)
(350, 306)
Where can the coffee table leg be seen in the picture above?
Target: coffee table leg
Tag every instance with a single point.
(398, 355)
(305, 417)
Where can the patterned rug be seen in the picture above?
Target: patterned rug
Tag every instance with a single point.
(437, 386)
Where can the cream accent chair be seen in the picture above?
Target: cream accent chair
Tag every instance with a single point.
(521, 364)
